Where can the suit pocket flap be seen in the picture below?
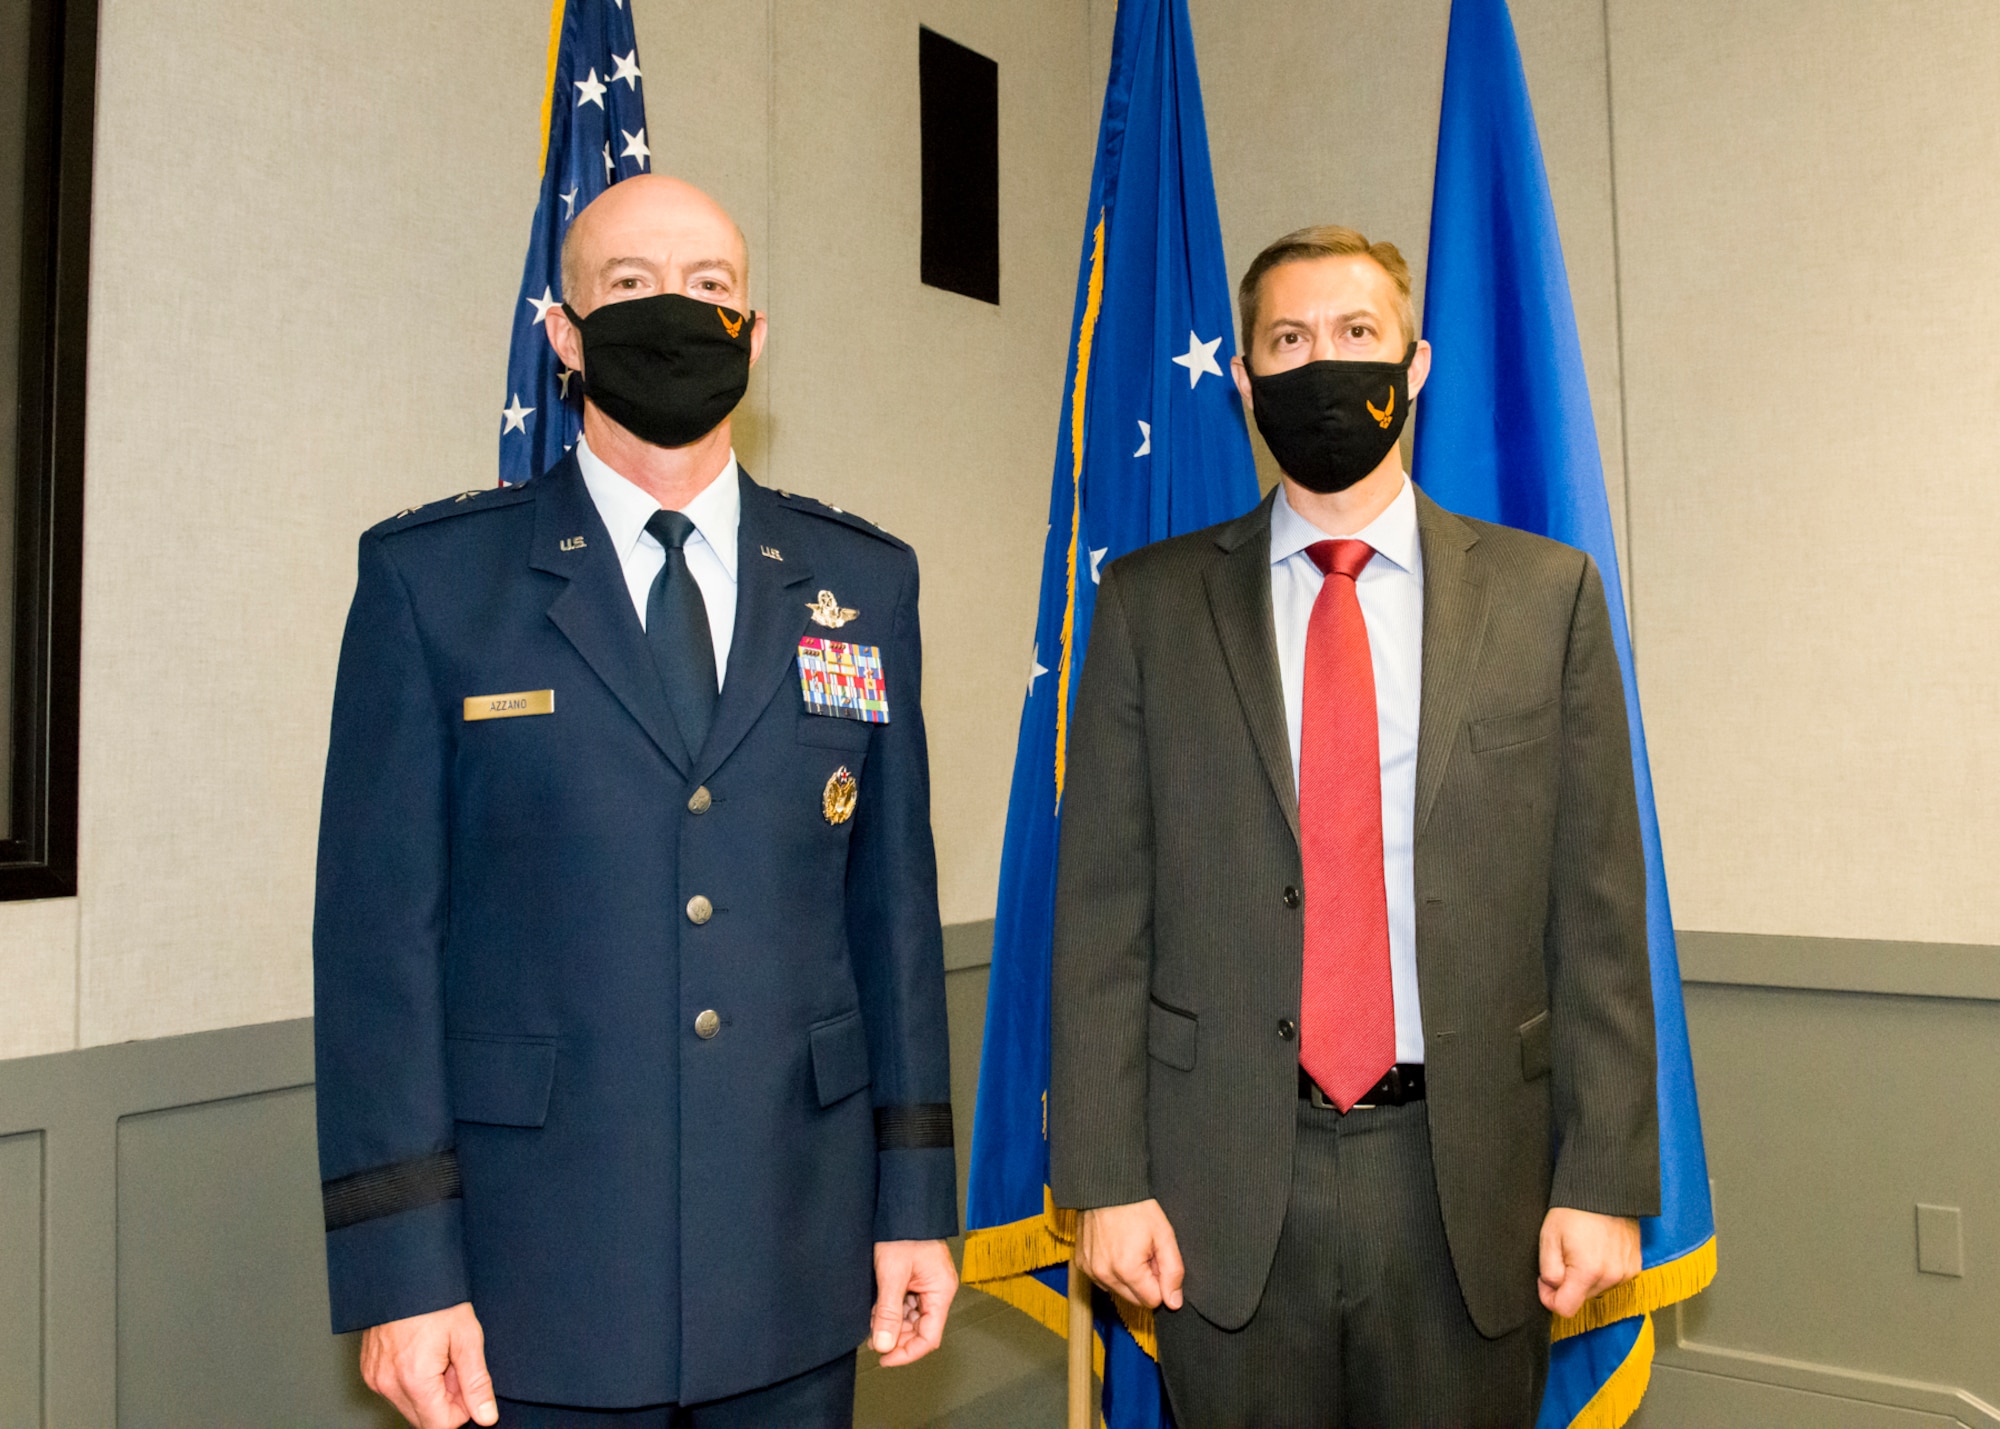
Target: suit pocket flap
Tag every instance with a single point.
(839, 1057)
(1535, 1047)
(1170, 1036)
(503, 1082)
(1500, 731)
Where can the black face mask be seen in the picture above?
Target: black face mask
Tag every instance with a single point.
(1330, 423)
(666, 368)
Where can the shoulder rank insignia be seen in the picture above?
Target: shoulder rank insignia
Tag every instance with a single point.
(841, 794)
(843, 680)
(829, 612)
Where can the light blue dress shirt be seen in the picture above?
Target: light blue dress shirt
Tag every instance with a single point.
(711, 551)
(1391, 590)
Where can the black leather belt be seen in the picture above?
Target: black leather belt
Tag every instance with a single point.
(1404, 1083)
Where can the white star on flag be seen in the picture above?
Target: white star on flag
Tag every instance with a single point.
(628, 69)
(1146, 436)
(1036, 669)
(609, 167)
(1097, 559)
(542, 304)
(1199, 358)
(569, 203)
(516, 416)
(589, 90)
(635, 148)
(563, 375)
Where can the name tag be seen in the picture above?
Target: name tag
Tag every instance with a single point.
(844, 680)
(522, 702)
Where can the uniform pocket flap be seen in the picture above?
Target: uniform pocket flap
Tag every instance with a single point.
(1535, 1047)
(1170, 1036)
(500, 1081)
(833, 732)
(1500, 731)
(840, 1057)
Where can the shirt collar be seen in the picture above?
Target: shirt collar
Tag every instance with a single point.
(626, 508)
(1393, 534)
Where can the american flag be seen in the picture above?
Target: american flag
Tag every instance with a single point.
(594, 134)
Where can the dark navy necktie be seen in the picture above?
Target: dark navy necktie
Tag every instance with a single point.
(677, 629)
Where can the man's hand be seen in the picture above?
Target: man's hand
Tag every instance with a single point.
(432, 1368)
(1131, 1251)
(914, 1283)
(1585, 1254)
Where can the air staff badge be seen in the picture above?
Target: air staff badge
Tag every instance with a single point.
(838, 800)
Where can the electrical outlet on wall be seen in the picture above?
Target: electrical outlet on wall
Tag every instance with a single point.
(1940, 1240)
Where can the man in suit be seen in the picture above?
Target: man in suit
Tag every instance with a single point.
(1353, 1043)
(628, 973)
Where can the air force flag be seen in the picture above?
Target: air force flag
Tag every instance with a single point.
(1151, 443)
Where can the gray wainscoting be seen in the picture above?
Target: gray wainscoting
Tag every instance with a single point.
(160, 1248)
(1843, 1084)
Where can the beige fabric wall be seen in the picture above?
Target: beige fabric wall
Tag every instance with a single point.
(1807, 209)
(308, 235)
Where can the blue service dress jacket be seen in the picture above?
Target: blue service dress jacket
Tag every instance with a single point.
(638, 1049)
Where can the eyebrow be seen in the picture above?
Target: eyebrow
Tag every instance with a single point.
(703, 264)
(1343, 319)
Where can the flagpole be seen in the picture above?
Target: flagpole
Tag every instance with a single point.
(1080, 1334)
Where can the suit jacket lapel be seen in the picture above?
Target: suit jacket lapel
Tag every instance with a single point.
(594, 610)
(1455, 609)
(770, 618)
(1239, 600)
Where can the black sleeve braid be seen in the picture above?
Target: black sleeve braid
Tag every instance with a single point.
(386, 1190)
(924, 1126)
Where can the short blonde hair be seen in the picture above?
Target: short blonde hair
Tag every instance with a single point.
(1325, 240)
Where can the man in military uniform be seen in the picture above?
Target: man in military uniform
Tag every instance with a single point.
(629, 986)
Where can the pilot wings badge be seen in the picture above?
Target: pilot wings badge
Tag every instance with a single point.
(829, 612)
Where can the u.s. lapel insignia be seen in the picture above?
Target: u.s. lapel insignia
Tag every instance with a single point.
(829, 612)
(772, 553)
(840, 796)
(572, 543)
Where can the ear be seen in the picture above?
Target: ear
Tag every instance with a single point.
(1242, 376)
(757, 339)
(564, 338)
(1420, 368)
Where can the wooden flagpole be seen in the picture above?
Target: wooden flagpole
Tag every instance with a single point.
(1081, 1333)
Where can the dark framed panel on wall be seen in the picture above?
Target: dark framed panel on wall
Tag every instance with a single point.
(48, 98)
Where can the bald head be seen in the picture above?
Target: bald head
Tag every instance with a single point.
(653, 234)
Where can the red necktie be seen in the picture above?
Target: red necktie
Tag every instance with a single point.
(1347, 1014)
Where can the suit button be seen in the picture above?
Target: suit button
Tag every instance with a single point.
(707, 1024)
(699, 801)
(1291, 897)
(1287, 1028)
(700, 910)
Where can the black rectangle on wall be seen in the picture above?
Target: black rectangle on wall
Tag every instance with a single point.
(961, 167)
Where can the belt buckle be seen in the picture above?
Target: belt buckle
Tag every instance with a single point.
(1322, 1102)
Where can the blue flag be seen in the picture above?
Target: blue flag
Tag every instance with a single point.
(1504, 433)
(593, 134)
(1151, 443)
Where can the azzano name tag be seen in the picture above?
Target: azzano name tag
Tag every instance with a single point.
(522, 702)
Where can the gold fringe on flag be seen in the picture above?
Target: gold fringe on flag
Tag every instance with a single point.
(1652, 1290)
(1617, 1399)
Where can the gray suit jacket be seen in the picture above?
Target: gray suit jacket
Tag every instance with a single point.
(1177, 957)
